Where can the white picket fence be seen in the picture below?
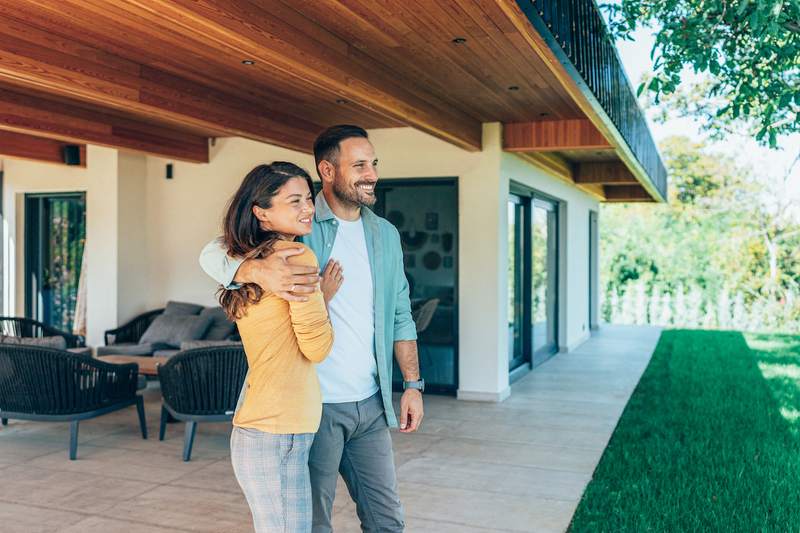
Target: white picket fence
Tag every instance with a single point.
(691, 308)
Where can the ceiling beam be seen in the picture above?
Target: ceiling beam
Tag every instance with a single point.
(626, 193)
(38, 60)
(552, 136)
(34, 115)
(249, 30)
(19, 145)
(613, 172)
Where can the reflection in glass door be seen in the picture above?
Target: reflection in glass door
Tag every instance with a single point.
(425, 212)
(517, 353)
(544, 280)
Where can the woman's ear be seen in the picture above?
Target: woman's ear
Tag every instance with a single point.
(262, 215)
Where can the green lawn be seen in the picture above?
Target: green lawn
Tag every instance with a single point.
(710, 440)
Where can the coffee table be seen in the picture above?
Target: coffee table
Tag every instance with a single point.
(147, 365)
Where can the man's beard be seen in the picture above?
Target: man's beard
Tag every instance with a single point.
(352, 197)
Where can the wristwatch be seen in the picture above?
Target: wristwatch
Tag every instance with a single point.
(419, 385)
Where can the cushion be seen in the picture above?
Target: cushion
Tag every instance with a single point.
(84, 351)
(172, 330)
(58, 342)
(165, 353)
(191, 345)
(182, 308)
(221, 328)
(128, 349)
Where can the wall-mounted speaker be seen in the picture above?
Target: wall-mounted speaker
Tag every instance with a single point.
(72, 154)
(169, 171)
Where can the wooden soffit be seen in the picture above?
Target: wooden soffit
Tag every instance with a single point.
(618, 150)
(21, 146)
(59, 120)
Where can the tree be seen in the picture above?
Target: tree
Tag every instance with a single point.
(747, 53)
(726, 228)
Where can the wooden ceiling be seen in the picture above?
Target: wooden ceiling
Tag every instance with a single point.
(162, 76)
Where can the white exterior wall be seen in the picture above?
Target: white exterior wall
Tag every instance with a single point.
(99, 181)
(145, 232)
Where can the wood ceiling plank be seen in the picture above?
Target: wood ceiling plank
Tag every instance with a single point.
(19, 145)
(604, 173)
(553, 135)
(178, 102)
(33, 115)
(257, 34)
(626, 193)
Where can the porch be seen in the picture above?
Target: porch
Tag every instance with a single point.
(520, 465)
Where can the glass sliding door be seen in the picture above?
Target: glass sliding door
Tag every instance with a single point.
(55, 233)
(544, 279)
(518, 354)
(533, 264)
(425, 212)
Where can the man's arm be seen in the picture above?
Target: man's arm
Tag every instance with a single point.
(405, 352)
(273, 273)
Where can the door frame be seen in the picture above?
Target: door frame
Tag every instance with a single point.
(531, 196)
(384, 182)
(34, 245)
(527, 361)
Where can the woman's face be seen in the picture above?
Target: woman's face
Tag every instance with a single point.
(291, 212)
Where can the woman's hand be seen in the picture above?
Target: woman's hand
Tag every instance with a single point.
(332, 278)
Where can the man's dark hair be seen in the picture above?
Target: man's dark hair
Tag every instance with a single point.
(326, 147)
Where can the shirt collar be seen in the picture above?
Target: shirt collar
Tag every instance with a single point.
(323, 210)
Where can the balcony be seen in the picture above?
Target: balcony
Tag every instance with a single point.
(578, 36)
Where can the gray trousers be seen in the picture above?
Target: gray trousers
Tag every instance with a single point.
(353, 440)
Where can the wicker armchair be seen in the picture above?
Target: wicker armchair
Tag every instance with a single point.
(54, 385)
(201, 385)
(27, 327)
(133, 330)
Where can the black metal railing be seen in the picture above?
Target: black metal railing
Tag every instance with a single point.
(577, 33)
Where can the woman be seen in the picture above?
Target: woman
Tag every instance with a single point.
(280, 410)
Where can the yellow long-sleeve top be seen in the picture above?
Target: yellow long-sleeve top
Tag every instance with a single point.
(283, 341)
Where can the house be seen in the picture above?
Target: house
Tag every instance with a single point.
(500, 127)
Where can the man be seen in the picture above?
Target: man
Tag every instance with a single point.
(371, 318)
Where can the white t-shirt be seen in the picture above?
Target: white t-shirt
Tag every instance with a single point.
(350, 373)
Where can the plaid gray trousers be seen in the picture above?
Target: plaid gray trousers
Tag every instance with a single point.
(273, 473)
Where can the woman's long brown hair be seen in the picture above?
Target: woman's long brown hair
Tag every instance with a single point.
(243, 235)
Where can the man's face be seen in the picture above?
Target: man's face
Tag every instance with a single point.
(356, 172)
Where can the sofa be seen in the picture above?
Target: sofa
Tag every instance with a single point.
(165, 332)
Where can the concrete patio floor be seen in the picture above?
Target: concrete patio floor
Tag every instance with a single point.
(521, 465)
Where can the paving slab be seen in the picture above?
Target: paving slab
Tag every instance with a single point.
(520, 465)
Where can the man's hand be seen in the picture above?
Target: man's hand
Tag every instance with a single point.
(274, 274)
(411, 411)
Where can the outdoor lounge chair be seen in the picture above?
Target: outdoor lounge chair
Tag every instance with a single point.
(26, 327)
(58, 386)
(201, 385)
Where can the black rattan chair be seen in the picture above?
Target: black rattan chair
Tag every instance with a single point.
(27, 327)
(201, 385)
(133, 330)
(57, 386)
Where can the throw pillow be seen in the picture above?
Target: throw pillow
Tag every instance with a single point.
(172, 330)
(191, 345)
(221, 328)
(182, 308)
(57, 342)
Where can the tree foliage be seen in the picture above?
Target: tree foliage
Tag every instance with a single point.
(747, 52)
(726, 230)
